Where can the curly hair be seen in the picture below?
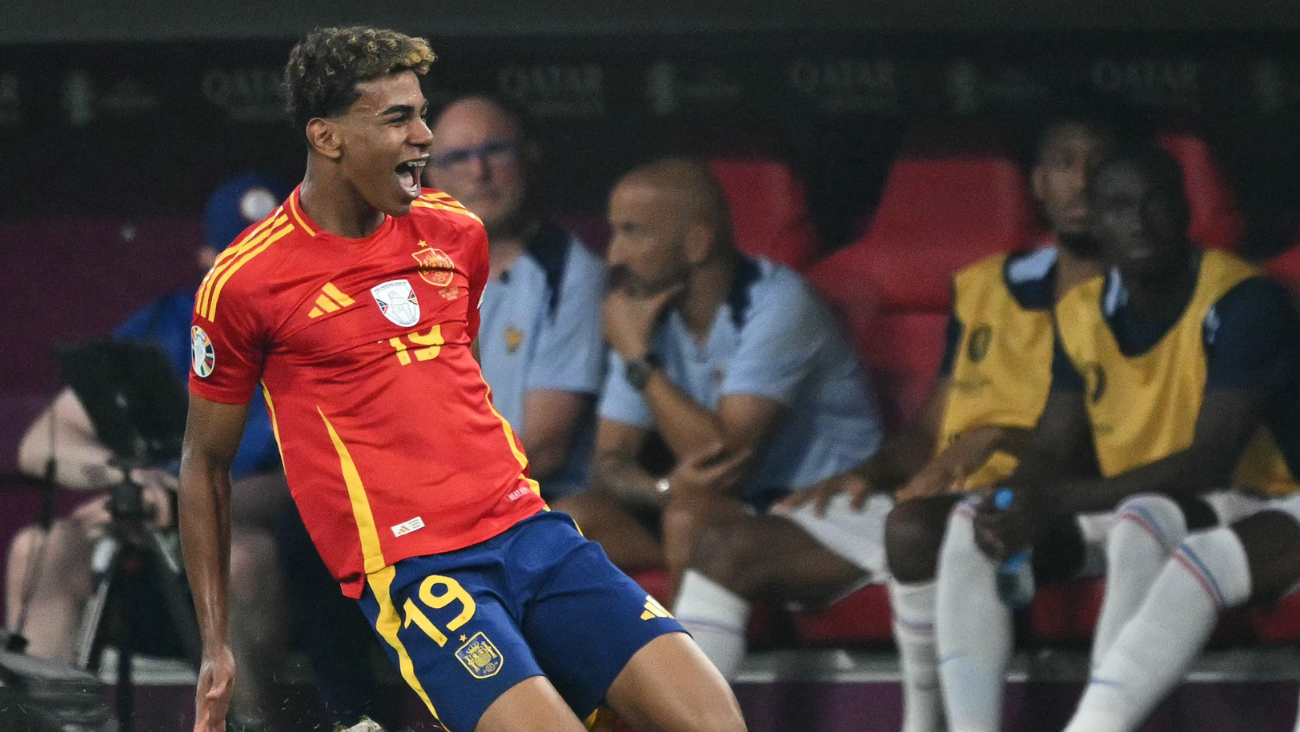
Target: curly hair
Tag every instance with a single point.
(325, 67)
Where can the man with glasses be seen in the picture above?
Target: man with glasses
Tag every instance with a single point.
(540, 340)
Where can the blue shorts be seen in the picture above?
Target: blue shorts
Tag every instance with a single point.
(539, 599)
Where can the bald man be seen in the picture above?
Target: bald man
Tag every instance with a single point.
(540, 340)
(732, 360)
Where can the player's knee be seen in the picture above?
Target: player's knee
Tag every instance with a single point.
(1159, 518)
(913, 535)
(730, 555)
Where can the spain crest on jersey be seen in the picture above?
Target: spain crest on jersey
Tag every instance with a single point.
(434, 266)
(480, 656)
(397, 302)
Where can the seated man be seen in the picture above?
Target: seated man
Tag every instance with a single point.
(1167, 587)
(540, 338)
(1174, 375)
(48, 573)
(991, 388)
(734, 361)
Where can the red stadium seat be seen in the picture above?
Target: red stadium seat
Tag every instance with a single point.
(1217, 222)
(862, 617)
(769, 210)
(1285, 267)
(1280, 623)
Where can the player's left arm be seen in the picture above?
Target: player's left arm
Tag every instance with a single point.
(1253, 355)
(212, 435)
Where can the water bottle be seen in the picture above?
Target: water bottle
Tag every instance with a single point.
(1015, 576)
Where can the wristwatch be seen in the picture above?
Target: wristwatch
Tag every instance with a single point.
(638, 370)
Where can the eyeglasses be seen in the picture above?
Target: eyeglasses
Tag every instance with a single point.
(492, 153)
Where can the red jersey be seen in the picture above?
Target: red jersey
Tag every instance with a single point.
(390, 442)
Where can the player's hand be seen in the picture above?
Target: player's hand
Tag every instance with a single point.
(630, 320)
(948, 471)
(1003, 532)
(851, 483)
(713, 471)
(212, 696)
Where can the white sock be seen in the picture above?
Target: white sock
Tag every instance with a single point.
(716, 617)
(973, 629)
(913, 606)
(1148, 530)
(1206, 575)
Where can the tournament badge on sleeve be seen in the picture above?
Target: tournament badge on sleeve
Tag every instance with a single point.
(397, 302)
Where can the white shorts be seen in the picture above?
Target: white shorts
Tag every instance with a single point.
(858, 536)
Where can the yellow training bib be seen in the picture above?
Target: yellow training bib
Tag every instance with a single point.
(1144, 408)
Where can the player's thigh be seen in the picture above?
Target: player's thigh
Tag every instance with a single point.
(670, 685)
(532, 705)
(451, 637)
(588, 620)
(798, 556)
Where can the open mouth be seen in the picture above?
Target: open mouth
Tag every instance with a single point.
(408, 175)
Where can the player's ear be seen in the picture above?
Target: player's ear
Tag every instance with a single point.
(323, 137)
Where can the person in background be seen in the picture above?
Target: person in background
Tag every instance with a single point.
(733, 360)
(1174, 405)
(48, 573)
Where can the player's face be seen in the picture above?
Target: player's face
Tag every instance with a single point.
(476, 157)
(646, 249)
(1059, 177)
(385, 142)
(1140, 225)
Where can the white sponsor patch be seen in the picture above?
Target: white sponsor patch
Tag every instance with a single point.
(407, 527)
(397, 302)
(202, 356)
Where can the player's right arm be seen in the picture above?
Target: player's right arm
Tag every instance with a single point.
(212, 434)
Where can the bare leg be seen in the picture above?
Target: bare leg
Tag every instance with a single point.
(20, 572)
(770, 558)
(63, 583)
(532, 705)
(603, 520)
(669, 686)
(684, 521)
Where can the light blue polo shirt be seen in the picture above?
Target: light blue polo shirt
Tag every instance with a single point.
(775, 338)
(540, 329)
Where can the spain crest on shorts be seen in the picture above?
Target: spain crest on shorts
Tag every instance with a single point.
(480, 657)
(397, 302)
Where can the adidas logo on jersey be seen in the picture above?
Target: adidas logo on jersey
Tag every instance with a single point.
(654, 610)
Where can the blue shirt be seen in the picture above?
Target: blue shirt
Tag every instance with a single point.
(540, 329)
(774, 338)
(167, 322)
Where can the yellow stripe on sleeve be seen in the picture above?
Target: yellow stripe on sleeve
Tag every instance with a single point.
(232, 251)
(275, 426)
(370, 550)
(275, 236)
(389, 623)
